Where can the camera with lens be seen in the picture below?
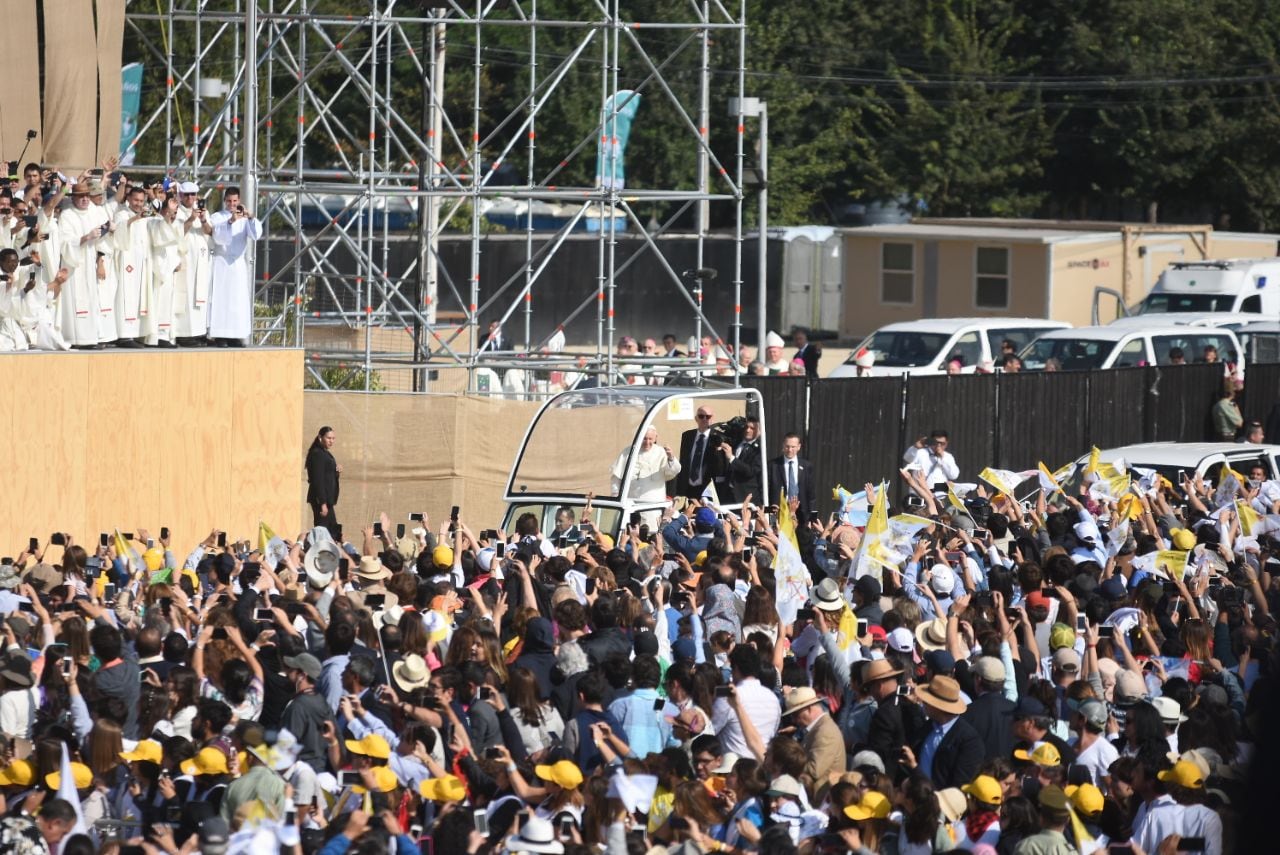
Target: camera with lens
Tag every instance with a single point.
(732, 431)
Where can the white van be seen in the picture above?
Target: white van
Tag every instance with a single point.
(1172, 459)
(1249, 285)
(1118, 346)
(925, 347)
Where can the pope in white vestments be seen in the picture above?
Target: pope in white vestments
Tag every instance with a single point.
(169, 255)
(231, 298)
(651, 468)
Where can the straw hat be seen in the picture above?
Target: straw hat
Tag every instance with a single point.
(879, 669)
(411, 672)
(942, 693)
(800, 698)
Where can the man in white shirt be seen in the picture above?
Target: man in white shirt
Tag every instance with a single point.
(190, 288)
(929, 455)
(1159, 815)
(231, 298)
(133, 267)
(756, 702)
(1093, 750)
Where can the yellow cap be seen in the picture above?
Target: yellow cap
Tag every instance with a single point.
(1045, 754)
(442, 557)
(1185, 774)
(210, 761)
(564, 773)
(874, 805)
(82, 774)
(148, 750)
(154, 559)
(447, 789)
(700, 559)
(384, 780)
(1182, 539)
(19, 773)
(985, 789)
(372, 745)
(1086, 798)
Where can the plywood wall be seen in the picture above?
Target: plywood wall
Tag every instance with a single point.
(191, 440)
(405, 453)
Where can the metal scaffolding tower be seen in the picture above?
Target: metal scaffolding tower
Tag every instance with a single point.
(373, 130)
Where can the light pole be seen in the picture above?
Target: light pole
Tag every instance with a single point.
(755, 107)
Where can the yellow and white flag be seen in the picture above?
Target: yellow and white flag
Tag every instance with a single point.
(265, 535)
(1003, 480)
(791, 577)
(873, 554)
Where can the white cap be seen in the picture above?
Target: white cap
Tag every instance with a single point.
(773, 340)
(902, 640)
(865, 358)
(484, 558)
(1086, 531)
(188, 187)
(941, 579)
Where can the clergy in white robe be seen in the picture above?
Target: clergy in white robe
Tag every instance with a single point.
(107, 268)
(133, 266)
(191, 287)
(231, 298)
(652, 467)
(84, 230)
(12, 281)
(168, 258)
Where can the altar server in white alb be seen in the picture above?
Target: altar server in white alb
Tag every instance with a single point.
(231, 299)
(191, 285)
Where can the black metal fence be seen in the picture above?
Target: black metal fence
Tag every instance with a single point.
(855, 430)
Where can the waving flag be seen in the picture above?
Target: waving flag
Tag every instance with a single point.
(791, 577)
(873, 554)
(854, 507)
(1048, 484)
(1229, 484)
(1248, 517)
(67, 789)
(1002, 479)
(265, 535)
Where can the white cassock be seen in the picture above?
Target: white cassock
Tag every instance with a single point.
(78, 304)
(650, 472)
(11, 335)
(37, 313)
(168, 262)
(191, 287)
(133, 258)
(107, 285)
(231, 297)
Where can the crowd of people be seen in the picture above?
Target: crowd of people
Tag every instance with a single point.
(100, 260)
(1073, 674)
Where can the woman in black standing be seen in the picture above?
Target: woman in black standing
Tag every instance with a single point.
(322, 478)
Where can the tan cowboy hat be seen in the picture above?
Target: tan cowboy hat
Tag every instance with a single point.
(942, 693)
(371, 568)
(932, 635)
(879, 669)
(81, 188)
(799, 699)
(411, 672)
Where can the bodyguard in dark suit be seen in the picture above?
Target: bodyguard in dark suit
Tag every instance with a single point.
(991, 713)
(701, 459)
(794, 476)
(746, 467)
(951, 751)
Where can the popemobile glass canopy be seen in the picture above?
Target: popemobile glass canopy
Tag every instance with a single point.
(588, 442)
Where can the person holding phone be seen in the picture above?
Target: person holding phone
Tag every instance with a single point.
(191, 285)
(231, 297)
(323, 476)
(929, 455)
(84, 230)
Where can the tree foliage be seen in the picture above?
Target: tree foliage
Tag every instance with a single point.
(1064, 108)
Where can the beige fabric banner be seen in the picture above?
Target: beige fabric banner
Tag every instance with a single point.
(407, 453)
(110, 49)
(20, 71)
(71, 85)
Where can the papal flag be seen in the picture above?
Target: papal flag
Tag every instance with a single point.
(791, 577)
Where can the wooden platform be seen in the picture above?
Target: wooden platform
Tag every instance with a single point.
(189, 439)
